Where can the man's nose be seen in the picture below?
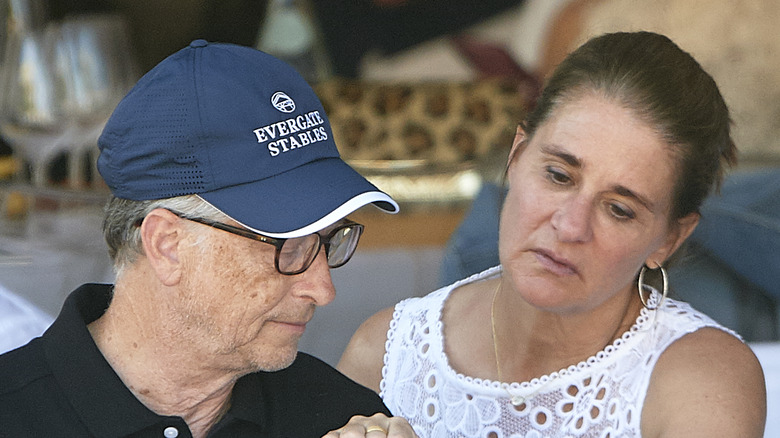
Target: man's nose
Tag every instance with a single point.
(319, 285)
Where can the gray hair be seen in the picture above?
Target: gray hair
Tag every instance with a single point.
(122, 219)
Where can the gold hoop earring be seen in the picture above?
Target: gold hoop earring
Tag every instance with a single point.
(641, 286)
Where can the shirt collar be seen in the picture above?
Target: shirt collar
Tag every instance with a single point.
(95, 391)
(101, 399)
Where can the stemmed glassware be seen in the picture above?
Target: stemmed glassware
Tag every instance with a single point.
(32, 119)
(58, 86)
(97, 65)
(59, 82)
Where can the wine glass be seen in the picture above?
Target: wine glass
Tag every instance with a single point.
(20, 16)
(97, 67)
(32, 118)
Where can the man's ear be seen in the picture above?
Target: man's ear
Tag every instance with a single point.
(677, 235)
(161, 234)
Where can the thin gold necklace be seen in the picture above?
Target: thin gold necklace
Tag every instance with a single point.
(515, 399)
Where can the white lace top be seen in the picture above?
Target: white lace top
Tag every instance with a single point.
(600, 397)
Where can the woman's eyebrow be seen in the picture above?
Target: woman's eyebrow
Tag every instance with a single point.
(625, 191)
(557, 151)
(574, 161)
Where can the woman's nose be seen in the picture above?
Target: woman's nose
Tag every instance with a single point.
(572, 221)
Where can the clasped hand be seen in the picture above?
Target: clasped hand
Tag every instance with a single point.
(375, 426)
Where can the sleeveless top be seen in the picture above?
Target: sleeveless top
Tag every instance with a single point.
(600, 397)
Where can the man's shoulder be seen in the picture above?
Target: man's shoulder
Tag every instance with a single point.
(21, 367)
(309, 388)
(26, 384)
(319, 384)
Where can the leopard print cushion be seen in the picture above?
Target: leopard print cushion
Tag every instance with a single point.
(437, 123)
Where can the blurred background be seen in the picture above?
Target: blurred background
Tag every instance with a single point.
(424, 97)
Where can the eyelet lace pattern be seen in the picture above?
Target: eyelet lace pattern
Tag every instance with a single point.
(600, 397)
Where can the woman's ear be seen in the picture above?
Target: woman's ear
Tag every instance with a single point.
(518, 144)
(677, 235)
(161, 234)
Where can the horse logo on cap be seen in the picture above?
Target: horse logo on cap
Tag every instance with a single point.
(283, 102)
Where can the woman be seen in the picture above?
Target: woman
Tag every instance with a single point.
(605, 179)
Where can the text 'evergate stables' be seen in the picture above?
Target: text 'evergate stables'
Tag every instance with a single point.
(292, 133)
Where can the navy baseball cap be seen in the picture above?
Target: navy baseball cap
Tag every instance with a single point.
(241, 129)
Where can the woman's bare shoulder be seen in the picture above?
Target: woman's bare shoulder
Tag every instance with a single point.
(707, 383)
(363, 359)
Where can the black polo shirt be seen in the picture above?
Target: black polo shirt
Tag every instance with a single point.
(59, 385)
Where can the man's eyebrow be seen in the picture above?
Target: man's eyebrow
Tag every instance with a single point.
(556, 151)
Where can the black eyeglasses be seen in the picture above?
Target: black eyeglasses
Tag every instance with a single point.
(294, 256)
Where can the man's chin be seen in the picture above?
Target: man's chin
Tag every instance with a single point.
(279, 361)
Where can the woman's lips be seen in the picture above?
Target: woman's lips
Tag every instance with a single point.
(556, 265)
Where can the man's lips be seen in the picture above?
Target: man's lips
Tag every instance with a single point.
(296, 325)
(553, 263)
(292, 327)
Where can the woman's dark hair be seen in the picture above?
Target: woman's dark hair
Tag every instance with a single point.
(664, 86)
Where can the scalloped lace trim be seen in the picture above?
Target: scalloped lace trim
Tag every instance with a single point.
(604, 393)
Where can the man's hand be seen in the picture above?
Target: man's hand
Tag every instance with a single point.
(375, 426)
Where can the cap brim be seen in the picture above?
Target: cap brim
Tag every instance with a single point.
(300, 201)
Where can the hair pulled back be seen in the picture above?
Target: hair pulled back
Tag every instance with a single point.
(664, 86)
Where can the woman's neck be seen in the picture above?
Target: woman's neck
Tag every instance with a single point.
(532, 342)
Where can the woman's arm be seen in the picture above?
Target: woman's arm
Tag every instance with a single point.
(363, 358)
(706, 384)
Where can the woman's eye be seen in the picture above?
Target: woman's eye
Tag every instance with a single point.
(557, 176)
(621, 212)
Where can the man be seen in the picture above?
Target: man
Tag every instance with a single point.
(229, 207)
